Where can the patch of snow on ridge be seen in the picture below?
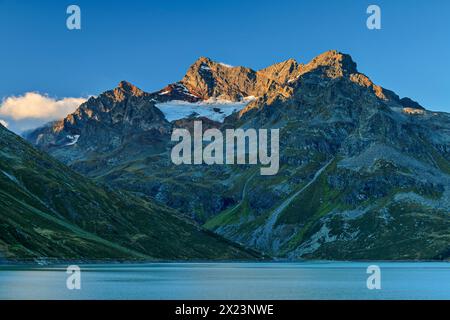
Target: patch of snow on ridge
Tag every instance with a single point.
(250, 98)
(226, 65)
(74, 139)
(216, 110)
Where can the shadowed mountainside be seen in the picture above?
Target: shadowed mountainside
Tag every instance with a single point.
(49, 211)
(364, 174)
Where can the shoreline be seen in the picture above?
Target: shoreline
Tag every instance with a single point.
(62, 262)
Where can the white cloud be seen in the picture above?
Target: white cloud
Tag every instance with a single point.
(33, 105)
(4, 123)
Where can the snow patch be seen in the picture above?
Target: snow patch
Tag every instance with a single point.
(226, 65)
(250, 98)
(182, 87)
(74, 139)
(214, 109)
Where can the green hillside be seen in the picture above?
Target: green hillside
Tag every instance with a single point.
(49, 211)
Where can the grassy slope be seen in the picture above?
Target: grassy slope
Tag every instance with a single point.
(389, 230)
(48, 210)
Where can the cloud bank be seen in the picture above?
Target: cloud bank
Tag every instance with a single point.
(33, 105)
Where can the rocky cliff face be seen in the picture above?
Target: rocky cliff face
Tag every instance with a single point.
(363, 173)
(331, 65)
(120, 118)
(207, 79)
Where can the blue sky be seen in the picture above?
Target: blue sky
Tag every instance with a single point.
(152, 43)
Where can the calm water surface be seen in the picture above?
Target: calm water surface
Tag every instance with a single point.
(321, 280)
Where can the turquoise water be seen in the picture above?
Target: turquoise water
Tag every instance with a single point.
(321, 280)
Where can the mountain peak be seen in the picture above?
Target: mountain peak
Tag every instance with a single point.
(203, 59)
(337, 62)
(207, 79)
(205, 62)
(283, 72)
(127, 87)
(290, 61)
(333, 55)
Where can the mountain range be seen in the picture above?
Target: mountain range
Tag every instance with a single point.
(364, 173)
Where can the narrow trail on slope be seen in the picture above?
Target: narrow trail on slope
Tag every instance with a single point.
(244, 191)
(274, 216)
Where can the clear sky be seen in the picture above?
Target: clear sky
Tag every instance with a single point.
(152, 43)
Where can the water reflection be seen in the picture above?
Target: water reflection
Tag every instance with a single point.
(321, 280)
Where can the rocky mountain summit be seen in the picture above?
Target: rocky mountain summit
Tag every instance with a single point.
(124, 115)
(364, 174)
